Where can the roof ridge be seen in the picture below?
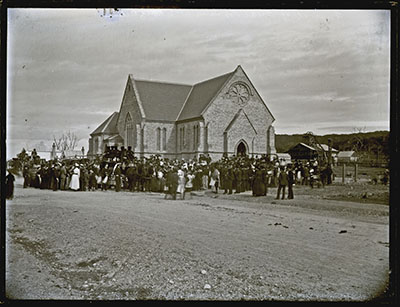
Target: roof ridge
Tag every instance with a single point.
(183, 84)
(161, 82)
(137, 95)
(214, 78)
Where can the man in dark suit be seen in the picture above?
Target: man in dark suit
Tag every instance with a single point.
(291, 181)
(117, 174)
(63, 177)
(228, 180)
(238, 178)
(172, 182)
(282, 182)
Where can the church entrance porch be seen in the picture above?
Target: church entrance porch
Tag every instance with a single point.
(241, 149)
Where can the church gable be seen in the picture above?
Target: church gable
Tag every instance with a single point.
(240, 92)
(131, 110)
(237, 99)
(237, 93)
(256, 94)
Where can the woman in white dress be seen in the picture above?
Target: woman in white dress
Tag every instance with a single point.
(216, 178)
(181, 183)
(189, 183)
(74, 184)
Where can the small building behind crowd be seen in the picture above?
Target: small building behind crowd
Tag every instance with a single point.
(50, 154)
(347, 156)
(283, 158)
(303, 151)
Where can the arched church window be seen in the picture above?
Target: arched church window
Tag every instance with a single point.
(164, 139)
(129, 130)
(158, 138)
(183, 137)
(197, 136)
(194, 137)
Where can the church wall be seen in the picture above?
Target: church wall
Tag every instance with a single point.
(221, 112)
(129, 104)
(191, 142)
(150, 139)
(271, 140)
(98, 141)
(98, 144)
(91, 150)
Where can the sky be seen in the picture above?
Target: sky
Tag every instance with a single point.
(325, 71)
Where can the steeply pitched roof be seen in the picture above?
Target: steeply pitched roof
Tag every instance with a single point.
(326, 148)
(307, 146)
(169, 101)
(109, 126)
(200, 96)
(160, 100)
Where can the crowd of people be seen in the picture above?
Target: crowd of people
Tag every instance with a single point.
(121, 170)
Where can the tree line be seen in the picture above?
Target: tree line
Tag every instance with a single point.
(370, 146)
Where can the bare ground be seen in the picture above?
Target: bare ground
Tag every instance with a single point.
(138, 246)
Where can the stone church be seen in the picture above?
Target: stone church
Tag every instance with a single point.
(222, 115)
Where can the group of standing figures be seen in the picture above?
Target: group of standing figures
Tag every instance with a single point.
(122, 171)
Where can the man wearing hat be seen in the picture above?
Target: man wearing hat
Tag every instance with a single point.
(63, 176)
(282, 182)
(228, 179)
(26, 174)
(131, 175)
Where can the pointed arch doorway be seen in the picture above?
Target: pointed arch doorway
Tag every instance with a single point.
(241, 149)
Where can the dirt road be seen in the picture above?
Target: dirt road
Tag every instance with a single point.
(108, 245)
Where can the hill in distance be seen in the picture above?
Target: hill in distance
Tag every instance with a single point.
(373, 142)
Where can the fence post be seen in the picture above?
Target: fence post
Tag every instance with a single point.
(343, 171)
(355, 172)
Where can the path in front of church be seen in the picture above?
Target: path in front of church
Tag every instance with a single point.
(138, 246)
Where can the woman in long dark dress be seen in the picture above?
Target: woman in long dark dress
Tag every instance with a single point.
(259, 183)
(10, 185)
